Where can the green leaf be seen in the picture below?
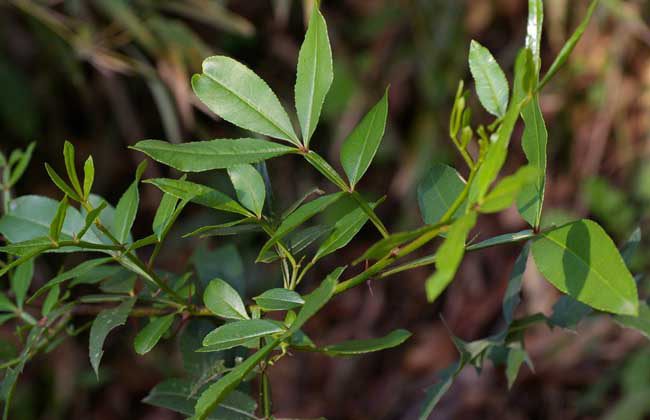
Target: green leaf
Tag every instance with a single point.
(506, 191)
(233, 334)
(149, 336)
(506, 238)
(381, 248)
(568, 312)
(298, 217)
(314, 75)
(176, 395)
(437, 390)
(325, 169)
(5, 304)
(534, 29)
(437, 192)
(516, 357)
(360, 146)
(30, 217)
(51, 300)
(163, 215)
(496, 154)
(127, 207)
(641, 323)
(57, 222)
(449, 256)
(631, 246)
(18, 170)
(534, 139)
(212, 154)
(199, 194)
(279, 300)
(59, 182)
(224, 301)
(316, 299)
(217, 392)
(106, 320)
(91, 217)
(89, 176)
(511, 299)
(235, 227)
(235, 93)
(249, 187)
(566, 50)
(356, 347)
(491, 83)
(68, 157)
(581, 260)
(21, 280)
(345, 229)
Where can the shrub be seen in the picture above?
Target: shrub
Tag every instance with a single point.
(220, 324)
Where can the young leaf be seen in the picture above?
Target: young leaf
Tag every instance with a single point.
(533, 141)
(581, 260)
(68, 157)
(278, 300)
(314, 75)
(199, 194)
(202, 156)
(219, 391)
(127, 207)
(316, 299)
(57, 222)
(356, 347)
(505, 192)
(18, 170)
(59, 182)
(233, 334)
(224, 301)
(569, 46)
(360, 146)
(491, 83)
(106, 320)
(298, 217)
(496, 154)
(89, 176)
(449, 256)
(438, 191)
(21, 280)
(149, 336)
(238, 95)
(249, 187)
(177, 395)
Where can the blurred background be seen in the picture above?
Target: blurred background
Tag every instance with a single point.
(107, 73)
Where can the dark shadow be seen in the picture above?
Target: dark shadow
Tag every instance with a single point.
(577, 258)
